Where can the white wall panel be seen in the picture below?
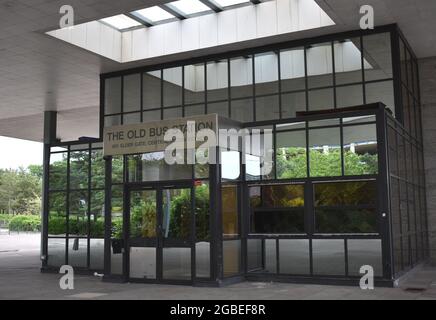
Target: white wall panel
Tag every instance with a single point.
(247, 26)
(227, 27)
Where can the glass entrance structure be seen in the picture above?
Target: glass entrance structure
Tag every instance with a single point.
(346, 187)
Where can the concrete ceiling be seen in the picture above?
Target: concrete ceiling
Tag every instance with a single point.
(39, 73)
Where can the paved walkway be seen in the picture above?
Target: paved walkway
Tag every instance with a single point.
(20, 279)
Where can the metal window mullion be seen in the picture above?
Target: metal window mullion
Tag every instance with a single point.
(193, 235)
(341, 137)
(347, 272)
(141, 90)
(89, 208)
(306, 79)
(362, 60)
(183, 91)
(67, 206)
(280, 82)
(161, 94)
(205, 88)
(122, 100)
(335, 103)
(253, 79)
(229, 84)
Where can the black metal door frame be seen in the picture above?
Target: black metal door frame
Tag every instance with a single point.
(159, 241)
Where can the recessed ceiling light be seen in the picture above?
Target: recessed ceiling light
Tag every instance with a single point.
(227, 3)
(121, 22)
(190, 6)
(154, 14)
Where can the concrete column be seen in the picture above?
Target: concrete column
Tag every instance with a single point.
(427, 69)
(50, 128)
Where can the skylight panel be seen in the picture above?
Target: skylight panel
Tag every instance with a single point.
(189, 7)
(154, 14)
(227, 3)
(121, 22)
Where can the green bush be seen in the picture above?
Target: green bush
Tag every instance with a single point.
(25, 223)
(5, 218)
(57, 225)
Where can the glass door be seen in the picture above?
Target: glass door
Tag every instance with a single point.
(160, 234)
(176, 233)
(143, 234)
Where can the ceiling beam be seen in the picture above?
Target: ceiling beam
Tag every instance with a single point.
(139, 18)
(172, 11)
(212, 5)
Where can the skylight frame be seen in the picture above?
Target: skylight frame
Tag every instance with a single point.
(150, 15)
(180, 6)
(228, 4)
(114, 22)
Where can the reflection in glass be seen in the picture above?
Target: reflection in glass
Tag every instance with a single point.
(142, 263)
(132, 93)
(325, 152)
(254, 255)
(231, 257)
(349, 96)
(96, 252)
(143, 214)
(177, 263)
(294, 256)
(291, 155)
(381, 92)
(152, 167)
(321, 99)
(230, 217)
(360, 150)
(319, 65)
(277, 209)
(377, 53)
(266, 73)
(345, 207)
(112, 99)
(328, 257)
(151, 90)
(348, 61)
(293, 103)
(202, 259)
(241, 77)
(217, 81)
(345, 193)
(267, 108)
(194, 84)
(292, 70)
(172, 87)
(242, 110)
(364, 252)
(230, 165)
